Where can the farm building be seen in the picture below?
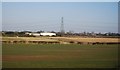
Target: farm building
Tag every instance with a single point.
(36, 34)
(47, 34)
(28, 33)
(41, 34)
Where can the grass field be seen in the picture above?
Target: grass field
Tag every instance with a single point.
(59, 56)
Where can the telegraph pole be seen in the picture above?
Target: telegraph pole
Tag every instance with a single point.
(62, 26)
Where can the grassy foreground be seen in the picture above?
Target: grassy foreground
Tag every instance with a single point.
(59, 56)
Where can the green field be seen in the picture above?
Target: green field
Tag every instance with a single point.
(59, 56)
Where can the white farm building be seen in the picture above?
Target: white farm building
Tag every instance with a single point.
(41, 34)
(47, 34)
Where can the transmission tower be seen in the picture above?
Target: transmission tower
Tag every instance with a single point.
(62, 26)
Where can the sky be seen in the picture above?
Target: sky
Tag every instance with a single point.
(0, 16)
(59, 0)
(78, 16)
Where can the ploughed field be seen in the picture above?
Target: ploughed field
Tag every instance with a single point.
(59, 56)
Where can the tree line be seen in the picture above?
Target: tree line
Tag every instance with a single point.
(83, 34)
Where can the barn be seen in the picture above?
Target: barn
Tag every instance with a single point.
(41, 34)
(33, 34)
(47, 34)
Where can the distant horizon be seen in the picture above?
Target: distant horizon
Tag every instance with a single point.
(58, 31)
(78, 17)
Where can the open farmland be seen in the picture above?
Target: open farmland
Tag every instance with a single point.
(59, 56)
(61, 40)
(27, 39)
(82, 39)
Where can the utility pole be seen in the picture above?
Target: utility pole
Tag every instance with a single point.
(62, 27)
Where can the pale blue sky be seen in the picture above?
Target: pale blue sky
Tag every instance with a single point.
(78, 16)
(0, 16)
(59, 0)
